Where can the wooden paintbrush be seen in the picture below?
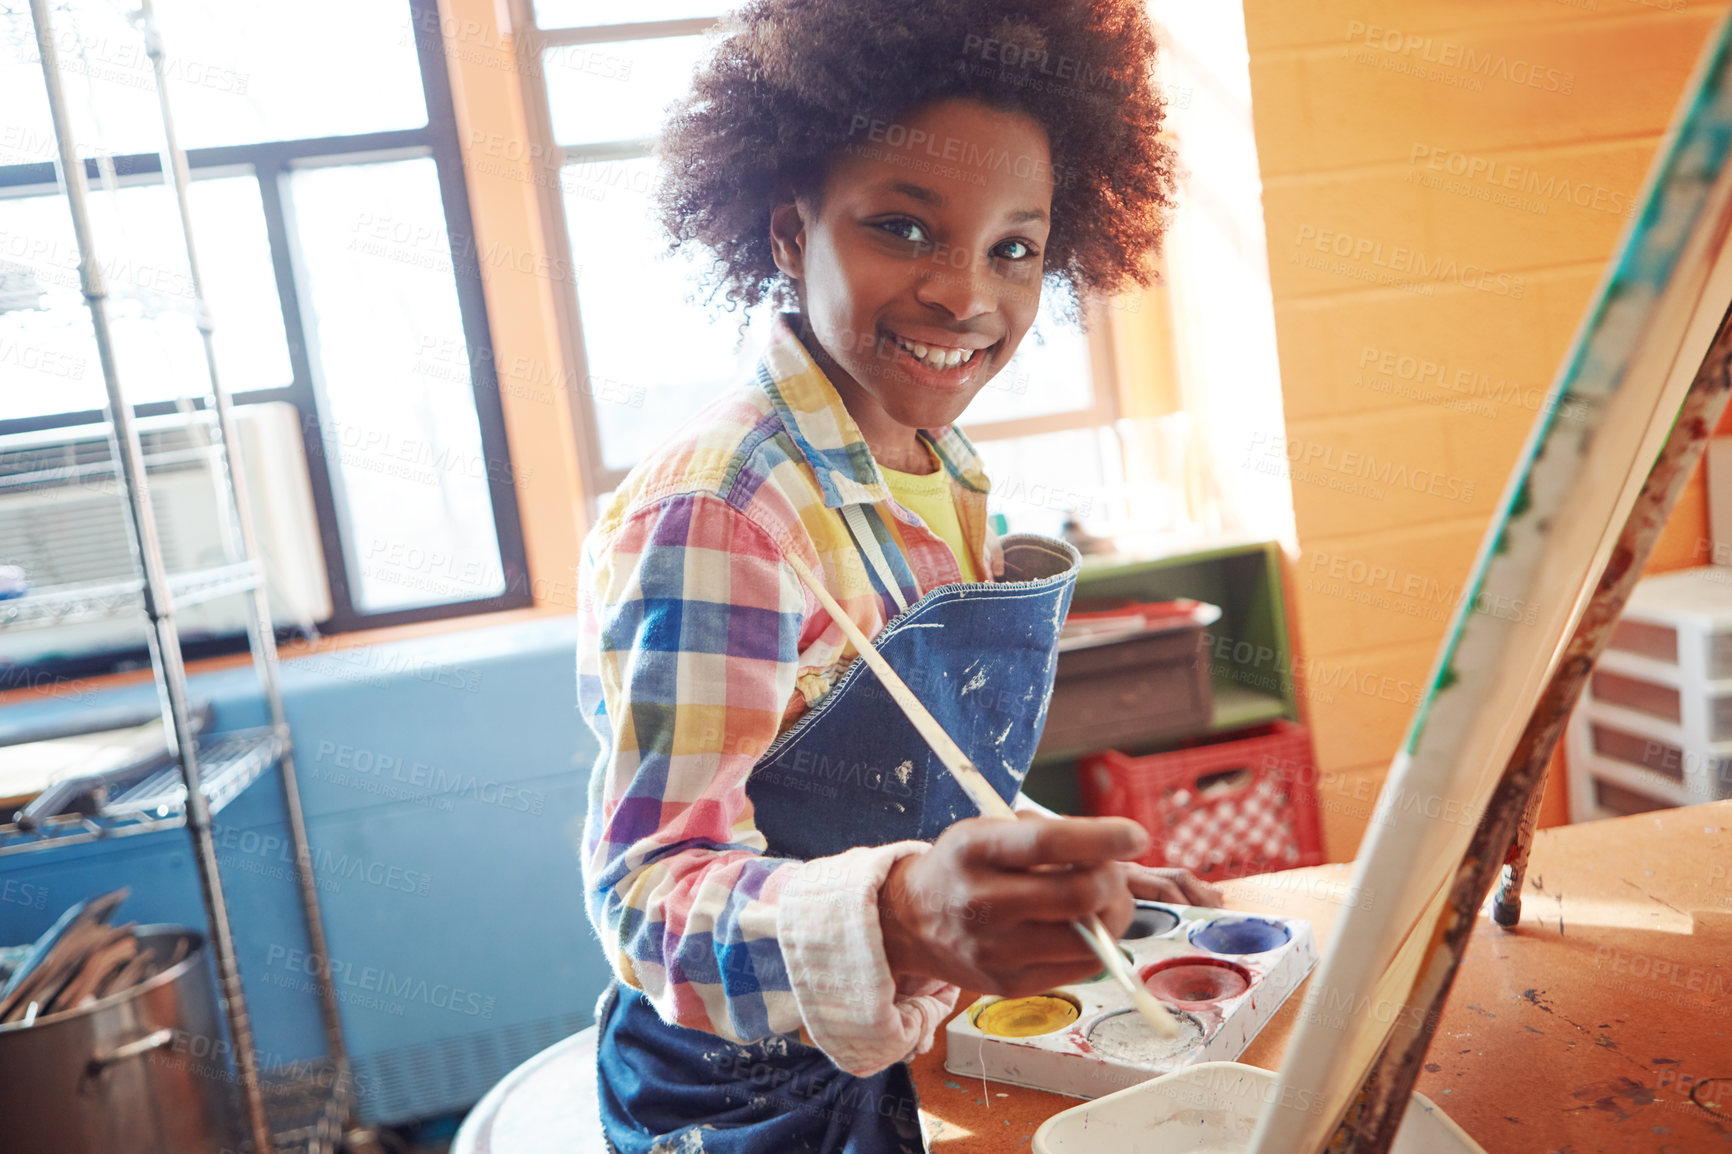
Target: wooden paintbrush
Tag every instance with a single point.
(985, 798)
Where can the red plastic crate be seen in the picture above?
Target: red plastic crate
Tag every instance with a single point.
(1221, 810)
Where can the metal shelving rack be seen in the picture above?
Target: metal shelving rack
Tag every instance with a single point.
(308, 1108)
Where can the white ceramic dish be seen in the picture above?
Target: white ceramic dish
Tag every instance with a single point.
(1212, 1108)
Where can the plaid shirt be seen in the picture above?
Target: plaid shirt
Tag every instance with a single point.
(699, 645)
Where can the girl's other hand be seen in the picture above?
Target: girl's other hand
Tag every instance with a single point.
(989, 907)
(1169, 884)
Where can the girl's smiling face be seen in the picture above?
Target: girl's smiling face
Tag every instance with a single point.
(919, 266)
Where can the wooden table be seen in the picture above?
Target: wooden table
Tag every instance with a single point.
(1603, 1023)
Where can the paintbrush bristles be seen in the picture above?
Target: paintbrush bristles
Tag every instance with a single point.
(1160, 1020)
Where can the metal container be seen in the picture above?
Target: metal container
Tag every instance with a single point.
(145, 1071)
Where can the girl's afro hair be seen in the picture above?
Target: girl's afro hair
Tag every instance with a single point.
(789, 83)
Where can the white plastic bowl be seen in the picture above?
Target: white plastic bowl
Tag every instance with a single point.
(1212, 1108)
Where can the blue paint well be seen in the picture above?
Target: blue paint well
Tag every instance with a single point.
(1240, 936)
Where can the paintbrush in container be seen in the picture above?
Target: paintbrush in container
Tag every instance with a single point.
(985, 798)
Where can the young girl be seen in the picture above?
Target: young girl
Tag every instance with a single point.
(791, 888)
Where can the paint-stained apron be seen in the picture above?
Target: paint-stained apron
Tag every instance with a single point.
(851, 772)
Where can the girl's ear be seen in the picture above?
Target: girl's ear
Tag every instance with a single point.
(788, 239)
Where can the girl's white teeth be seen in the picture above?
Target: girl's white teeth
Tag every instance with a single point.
(936, 358)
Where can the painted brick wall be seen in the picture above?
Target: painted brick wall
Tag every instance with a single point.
(1443, 183)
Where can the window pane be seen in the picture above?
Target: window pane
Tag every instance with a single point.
(587, 13)
(45, 332)
(1049, 374)
(240, 284)
(619, 90)
(237, 72)
(631, 298)
(398, 429)
(1037, 481)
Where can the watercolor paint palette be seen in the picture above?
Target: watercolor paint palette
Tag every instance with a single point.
(1222, 973)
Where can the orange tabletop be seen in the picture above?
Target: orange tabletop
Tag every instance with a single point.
(1602, 1023)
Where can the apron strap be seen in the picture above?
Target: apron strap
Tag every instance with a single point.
(867, 542)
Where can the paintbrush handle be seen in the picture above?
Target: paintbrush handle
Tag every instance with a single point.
(985, 798)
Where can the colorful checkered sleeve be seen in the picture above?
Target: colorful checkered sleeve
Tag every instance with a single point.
(696, 626)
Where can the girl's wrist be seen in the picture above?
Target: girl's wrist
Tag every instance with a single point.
(903, 948)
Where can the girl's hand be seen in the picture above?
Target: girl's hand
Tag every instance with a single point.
(990, 906)
(1169, 884)
(995, 555)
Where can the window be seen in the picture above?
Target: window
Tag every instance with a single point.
(333, 230)
(597, 102)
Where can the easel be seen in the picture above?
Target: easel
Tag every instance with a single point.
(1509, 819)
(1652, 366)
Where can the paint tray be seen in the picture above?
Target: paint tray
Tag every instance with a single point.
(1213, 1107)
(1223, 973)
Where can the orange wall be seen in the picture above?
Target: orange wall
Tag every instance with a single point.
(1443, 181)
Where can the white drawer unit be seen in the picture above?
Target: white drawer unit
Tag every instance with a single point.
(1654, 726)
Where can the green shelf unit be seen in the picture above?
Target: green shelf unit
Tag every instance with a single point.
(1249, 655)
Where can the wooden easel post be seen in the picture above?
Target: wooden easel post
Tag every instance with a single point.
(1507, 823)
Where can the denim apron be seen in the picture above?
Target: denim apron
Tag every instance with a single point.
(852, 771)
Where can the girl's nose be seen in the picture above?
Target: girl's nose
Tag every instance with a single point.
(961, 288)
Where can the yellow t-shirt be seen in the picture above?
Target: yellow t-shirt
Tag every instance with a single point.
(928, 496)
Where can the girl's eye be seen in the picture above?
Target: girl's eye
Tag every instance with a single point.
(908, 230)
(1015, 250)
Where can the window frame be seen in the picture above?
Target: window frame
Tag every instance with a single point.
(271, 164)
(531, 43)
